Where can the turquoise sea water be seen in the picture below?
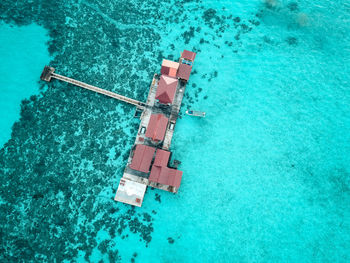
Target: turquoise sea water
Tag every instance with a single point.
(23, 51)
(266, 173)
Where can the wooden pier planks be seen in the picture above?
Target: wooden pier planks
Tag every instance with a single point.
(173, 115)
(48, 74)
(138, 104)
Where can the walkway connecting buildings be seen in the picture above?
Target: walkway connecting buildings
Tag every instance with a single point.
(149, 160)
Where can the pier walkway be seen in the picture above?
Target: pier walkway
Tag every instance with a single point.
(173, 115)
(48, 74)
(149, 161)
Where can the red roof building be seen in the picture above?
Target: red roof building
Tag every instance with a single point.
(188, 55)
(169, 68)
(166, 89)
(166, 176)
(162, 174)
(174, 177)
(157, 127)
(184, 71)
(143, 155)
(162, 158)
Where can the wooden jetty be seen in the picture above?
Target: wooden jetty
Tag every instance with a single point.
(149, 160)
(48, 74)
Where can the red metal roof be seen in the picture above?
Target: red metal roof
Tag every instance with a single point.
(162, 174)
(184, 71)
(188, 55)
(170, 64)
(162, 158)
(172, 72)
(164, 70)
(142, 158)
(155, 172)
(165, 175)
(157, 127)
(175, 177)
(166, 89)
(169, 68)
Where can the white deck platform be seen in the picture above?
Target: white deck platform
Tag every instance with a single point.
(130, 192)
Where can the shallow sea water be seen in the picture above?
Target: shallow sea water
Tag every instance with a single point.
(266, 173)
(23, 51)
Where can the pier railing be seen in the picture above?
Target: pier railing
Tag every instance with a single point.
(48, 73)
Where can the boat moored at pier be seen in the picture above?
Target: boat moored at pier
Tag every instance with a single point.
(195, 113)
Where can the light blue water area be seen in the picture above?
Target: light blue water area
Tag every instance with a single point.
(23, 53)
(266, 174)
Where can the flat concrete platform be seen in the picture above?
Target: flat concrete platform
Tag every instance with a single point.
(130, 192)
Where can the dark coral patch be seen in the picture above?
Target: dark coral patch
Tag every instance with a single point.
(157, 198)
(171, 240)
(187, 35)
(292, 41)
(209, 14)
(254, 22)
(211, 18)
(293, 6)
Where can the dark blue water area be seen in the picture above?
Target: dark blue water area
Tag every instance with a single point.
(265, 173)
